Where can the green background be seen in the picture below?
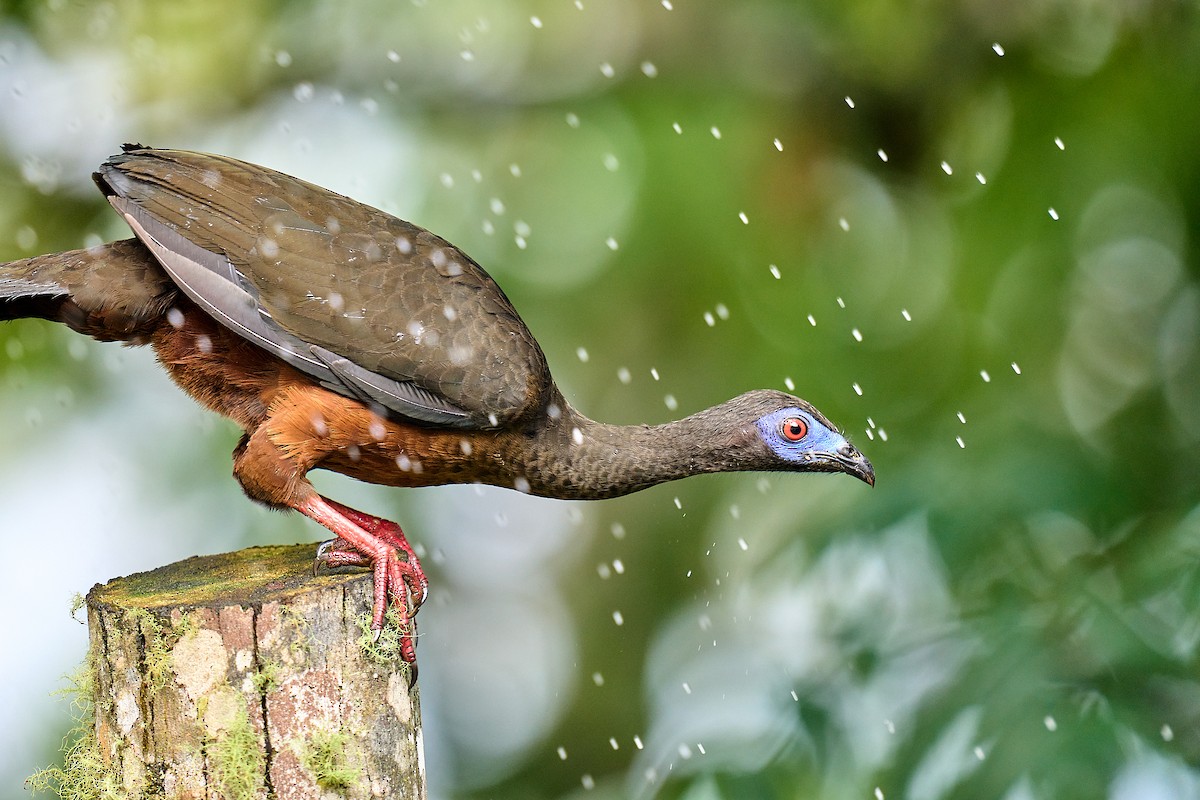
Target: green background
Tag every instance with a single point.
(968, 237)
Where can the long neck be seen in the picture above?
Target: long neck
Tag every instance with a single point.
(573, 457)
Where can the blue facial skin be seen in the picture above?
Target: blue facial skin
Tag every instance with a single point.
(819, 441)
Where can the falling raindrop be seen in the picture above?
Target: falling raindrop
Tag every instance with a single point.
(742, 543)
(849, 101)
(667, 5)
(1050, 723)
(611, 163)
(536, 21)
(521, 484)
(715, 131)
(618, 566)
(998, 48)
(722, 311)
(562, 753)
(677, 127)
(812, 320)
(618, 530)
(960, 441)
(983, 373)
(612, 742)
(603, 571)
(606, 69)
(649, 70)
(582, 354)
(624, 375)
(618, 618)
(573, 119)
(882, 155)
(709, 319)
(857, 334)
(858, 390)
(979, 754)
(685, 752)
(678, 504)
(598, 678)
(1016, 368)
(687, 689)
(515, 169)
(979, 177)
(637, 742)
(775, 271)
(1053, 214)
(961, 418)
(904, 313)
(790, 384)
(1058, 142)
(671, 403)
(654, 373)
(588, 782)
(742, 216)
(844, 223)
(779, 145)
(946, 168)
(611, 242)
(841, 303)
(878, 793)
(1166, 733)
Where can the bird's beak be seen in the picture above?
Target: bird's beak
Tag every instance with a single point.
(850, 461)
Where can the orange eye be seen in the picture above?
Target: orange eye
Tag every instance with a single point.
(793, 429)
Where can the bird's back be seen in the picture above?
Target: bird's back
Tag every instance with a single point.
(372, 306)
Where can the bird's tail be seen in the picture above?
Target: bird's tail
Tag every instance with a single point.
(113, 291)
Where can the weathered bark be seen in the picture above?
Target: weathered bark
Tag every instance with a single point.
(241, 676)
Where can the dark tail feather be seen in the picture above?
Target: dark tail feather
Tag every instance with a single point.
(114, 291)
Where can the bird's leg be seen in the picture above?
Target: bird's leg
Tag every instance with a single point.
(393, 577)
(341, 553)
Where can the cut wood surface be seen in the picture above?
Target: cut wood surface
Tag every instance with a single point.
(244, 676)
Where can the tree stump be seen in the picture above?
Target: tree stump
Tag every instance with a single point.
(243, 676)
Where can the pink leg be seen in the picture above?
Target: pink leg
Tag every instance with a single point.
(394, 579)
(341, 553)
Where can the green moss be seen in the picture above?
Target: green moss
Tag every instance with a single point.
(78, 601)
(236, 760)
(384, 650)
(266, 679)
(301, 645)
(160, 641)
(325, 756)
(83, 775)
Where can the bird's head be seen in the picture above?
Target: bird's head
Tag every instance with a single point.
(789, 434)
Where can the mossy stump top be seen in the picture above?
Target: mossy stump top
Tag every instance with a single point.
(243, 676)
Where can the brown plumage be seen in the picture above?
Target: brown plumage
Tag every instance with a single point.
(339, 337)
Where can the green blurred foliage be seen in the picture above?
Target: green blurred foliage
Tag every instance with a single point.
(1010, 191)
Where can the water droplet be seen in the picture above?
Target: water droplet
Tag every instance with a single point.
(883, 434)
(403, 245)
(742, 543)
(582, 354)
(779, 145)
(654, 373)
(598, 678)
(844, 223)
(572, 119)
(618, 618)
(576, 436)
(1016, 368)
(618, 530)
(709, 319)
(303, 92)
(979, 754)
(790, 384)
(204, 343)
(946, 168)
(283, 58)
(447, 180)
(175, 317)
(393, 56)
(858, 390)
(637, 742)
(878, 793)
(515, 170)
(497, 206)
(870, 434)
(812, 320)
(27, 237)
(649, 70)
(996, 46)
(960, 441)
(891, 726)
(603, 571)
(465, 446)
(1166, 733)
(612, 742)
(857, 334)
(742, 216)
(979, 177)
(961, 418)
(667, 5)
(1053, 214)
(678, 504)
(722, 311)
(795, 696)
(983, 373)
(685, 752)
(611, 163)
(686, 688)
(1058, 142)
(677, 127)
(775, 271)
(623, 375)
(735, 512)
(715, 131)
(882, 155)
(562, 753)
(606, 69)
(588, 782)
(841, 303)
(618, 566)
(849, 101)
(611, 242)
(467, 55)
(521, 484)
(536, 22)
(904, 313)
(1050, 723)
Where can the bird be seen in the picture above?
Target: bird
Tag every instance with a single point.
(339, 337)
